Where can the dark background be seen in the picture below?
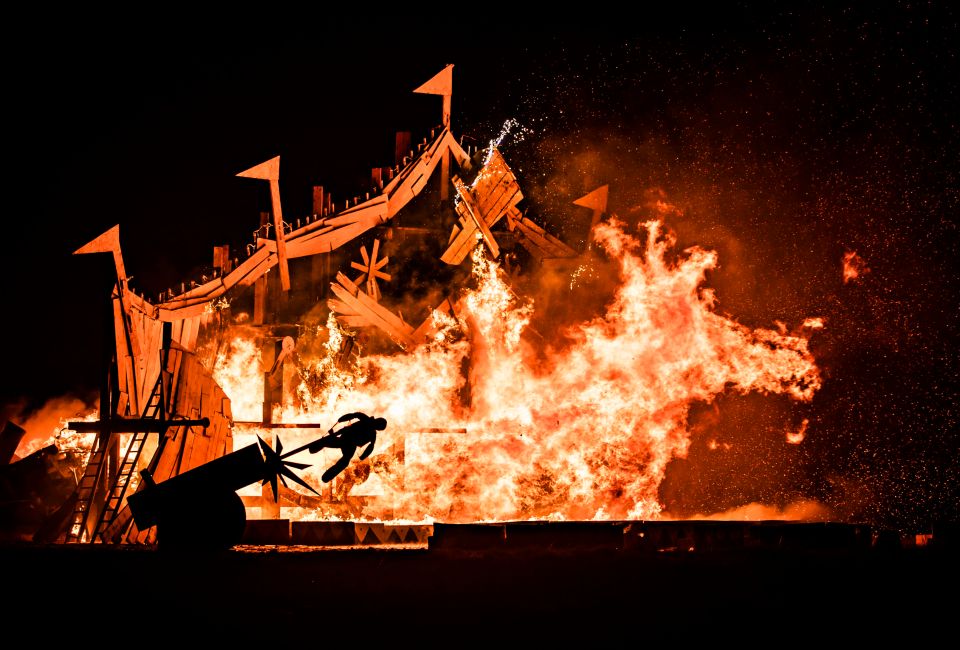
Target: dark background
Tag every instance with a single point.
(785, 135)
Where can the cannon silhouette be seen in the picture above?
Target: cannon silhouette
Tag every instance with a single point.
(201, 508)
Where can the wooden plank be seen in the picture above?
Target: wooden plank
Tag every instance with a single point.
(369, 209)
(176, 330)
(200, 449)
(353, 321)
(496, 202)
(205, 400)
(540, 243)
(347, 234)
(174, 364)
(307, 233)
(126, 369)
(410, 182)
(194, 332)
(135, 403)
(169, 454)
(279, 235)
(151, 358)
(250, 269)
(340, 307)
(470, 207)
(377, 315)
(200, 291)
(450, 143)
(174, 315)
(141, 305)
(465, 240)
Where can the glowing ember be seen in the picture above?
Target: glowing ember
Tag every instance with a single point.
(853, 267)
(796, 437)
(581, 430)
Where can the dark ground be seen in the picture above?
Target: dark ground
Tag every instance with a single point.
(406, 598)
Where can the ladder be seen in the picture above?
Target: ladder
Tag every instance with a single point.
(85, 491)
(94, 473)
(154, 410)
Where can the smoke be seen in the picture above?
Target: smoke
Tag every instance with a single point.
(580, 424)
(44, 424)
(802, 510)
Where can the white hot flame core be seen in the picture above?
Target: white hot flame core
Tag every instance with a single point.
(579, 431)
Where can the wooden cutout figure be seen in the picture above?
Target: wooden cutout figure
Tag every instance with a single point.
(596, 202)
(371, 270)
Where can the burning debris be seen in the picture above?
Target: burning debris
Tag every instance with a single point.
(853, 267)
(31, 488)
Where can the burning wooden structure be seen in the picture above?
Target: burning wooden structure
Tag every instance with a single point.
(157, 385)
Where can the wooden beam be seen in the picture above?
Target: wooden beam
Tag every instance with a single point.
(442, 84)
(541, 244)
(270, 171)
(493, 192)
(361, 304)
(319, 202)
(470, 224)
(401, 147)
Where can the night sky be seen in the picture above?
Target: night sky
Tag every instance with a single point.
(785, 138)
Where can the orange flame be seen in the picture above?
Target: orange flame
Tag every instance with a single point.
(796, 437)
(581, 431)
(853, 267)
(239, 372)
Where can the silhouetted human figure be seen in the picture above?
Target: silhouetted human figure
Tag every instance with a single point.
(359, 433)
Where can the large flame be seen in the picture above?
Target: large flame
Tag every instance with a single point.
(582, 430)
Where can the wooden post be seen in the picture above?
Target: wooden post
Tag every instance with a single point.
(270, 171)
(318, 200)
(221, 259)
(280, 235)
(442, 84)
(269, 507)
(401, 147)
(260, 286)
(318, 280)
(445, 159)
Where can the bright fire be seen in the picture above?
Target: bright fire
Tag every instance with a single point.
(582, 430)
(796, 437)
(853, 267)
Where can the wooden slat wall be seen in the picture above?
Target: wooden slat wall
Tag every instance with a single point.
(195, 395)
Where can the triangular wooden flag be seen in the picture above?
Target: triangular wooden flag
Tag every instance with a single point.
(360, 532)
(108, 242)
(268, 171)
(595, 200)
(440, 84)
